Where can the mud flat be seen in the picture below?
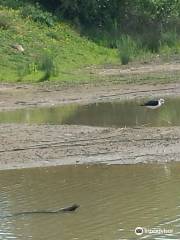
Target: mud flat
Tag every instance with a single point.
(22, 96)
(25, 146)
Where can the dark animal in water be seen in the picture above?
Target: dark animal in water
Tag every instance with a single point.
(66, 209)
(71, 208)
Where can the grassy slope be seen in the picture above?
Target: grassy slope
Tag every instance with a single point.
(70, 52)
(66, 47)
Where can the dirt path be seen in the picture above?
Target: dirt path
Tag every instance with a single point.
(142, 69)
(24, 146)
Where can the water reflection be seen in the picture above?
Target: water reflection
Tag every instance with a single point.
(110, 114)
(114, 201)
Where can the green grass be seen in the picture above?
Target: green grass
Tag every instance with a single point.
(128, 49)
(55, 52)
(51, 53)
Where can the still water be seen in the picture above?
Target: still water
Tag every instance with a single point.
(107, 114)
(113, 200)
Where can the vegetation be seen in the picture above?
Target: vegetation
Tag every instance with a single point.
(35, 13)
(145, 20)
(127, 49)
(61, 38)
(50, 52)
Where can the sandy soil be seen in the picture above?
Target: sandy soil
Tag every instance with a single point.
(24, 146)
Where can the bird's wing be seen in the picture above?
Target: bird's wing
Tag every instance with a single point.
(151, 103)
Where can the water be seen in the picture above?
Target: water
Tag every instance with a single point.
(108, 114)
(113, 200)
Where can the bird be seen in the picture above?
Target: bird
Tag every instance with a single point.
(153, 104)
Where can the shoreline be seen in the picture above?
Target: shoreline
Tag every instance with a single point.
(27, 146)
(29, 96)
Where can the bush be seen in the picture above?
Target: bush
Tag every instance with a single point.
(11, 4)
(169, 38)
(127, 49)
(151, 41)
(36, 13)
(54, 35)
(5, 22)
(46, 64)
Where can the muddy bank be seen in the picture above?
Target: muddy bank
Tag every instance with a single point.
(24, 146)
(22, 96)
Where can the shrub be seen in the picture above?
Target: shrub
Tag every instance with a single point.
(46, 64)
(11, 4)
(169, 38)
(5, 22)
(151, 41)
(54, 35)
(37, 14)
(127, 49)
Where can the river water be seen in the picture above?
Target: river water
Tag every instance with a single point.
(114, 200)
(106, 114)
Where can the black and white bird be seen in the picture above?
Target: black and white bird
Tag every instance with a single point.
(153, 104)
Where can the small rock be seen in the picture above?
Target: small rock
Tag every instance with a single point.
(18, 47)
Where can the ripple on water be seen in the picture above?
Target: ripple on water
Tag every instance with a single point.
(113, 200)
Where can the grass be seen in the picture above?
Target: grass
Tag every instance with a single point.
(55, 52)
(140, 79)
(128, 49)
(51, 52)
